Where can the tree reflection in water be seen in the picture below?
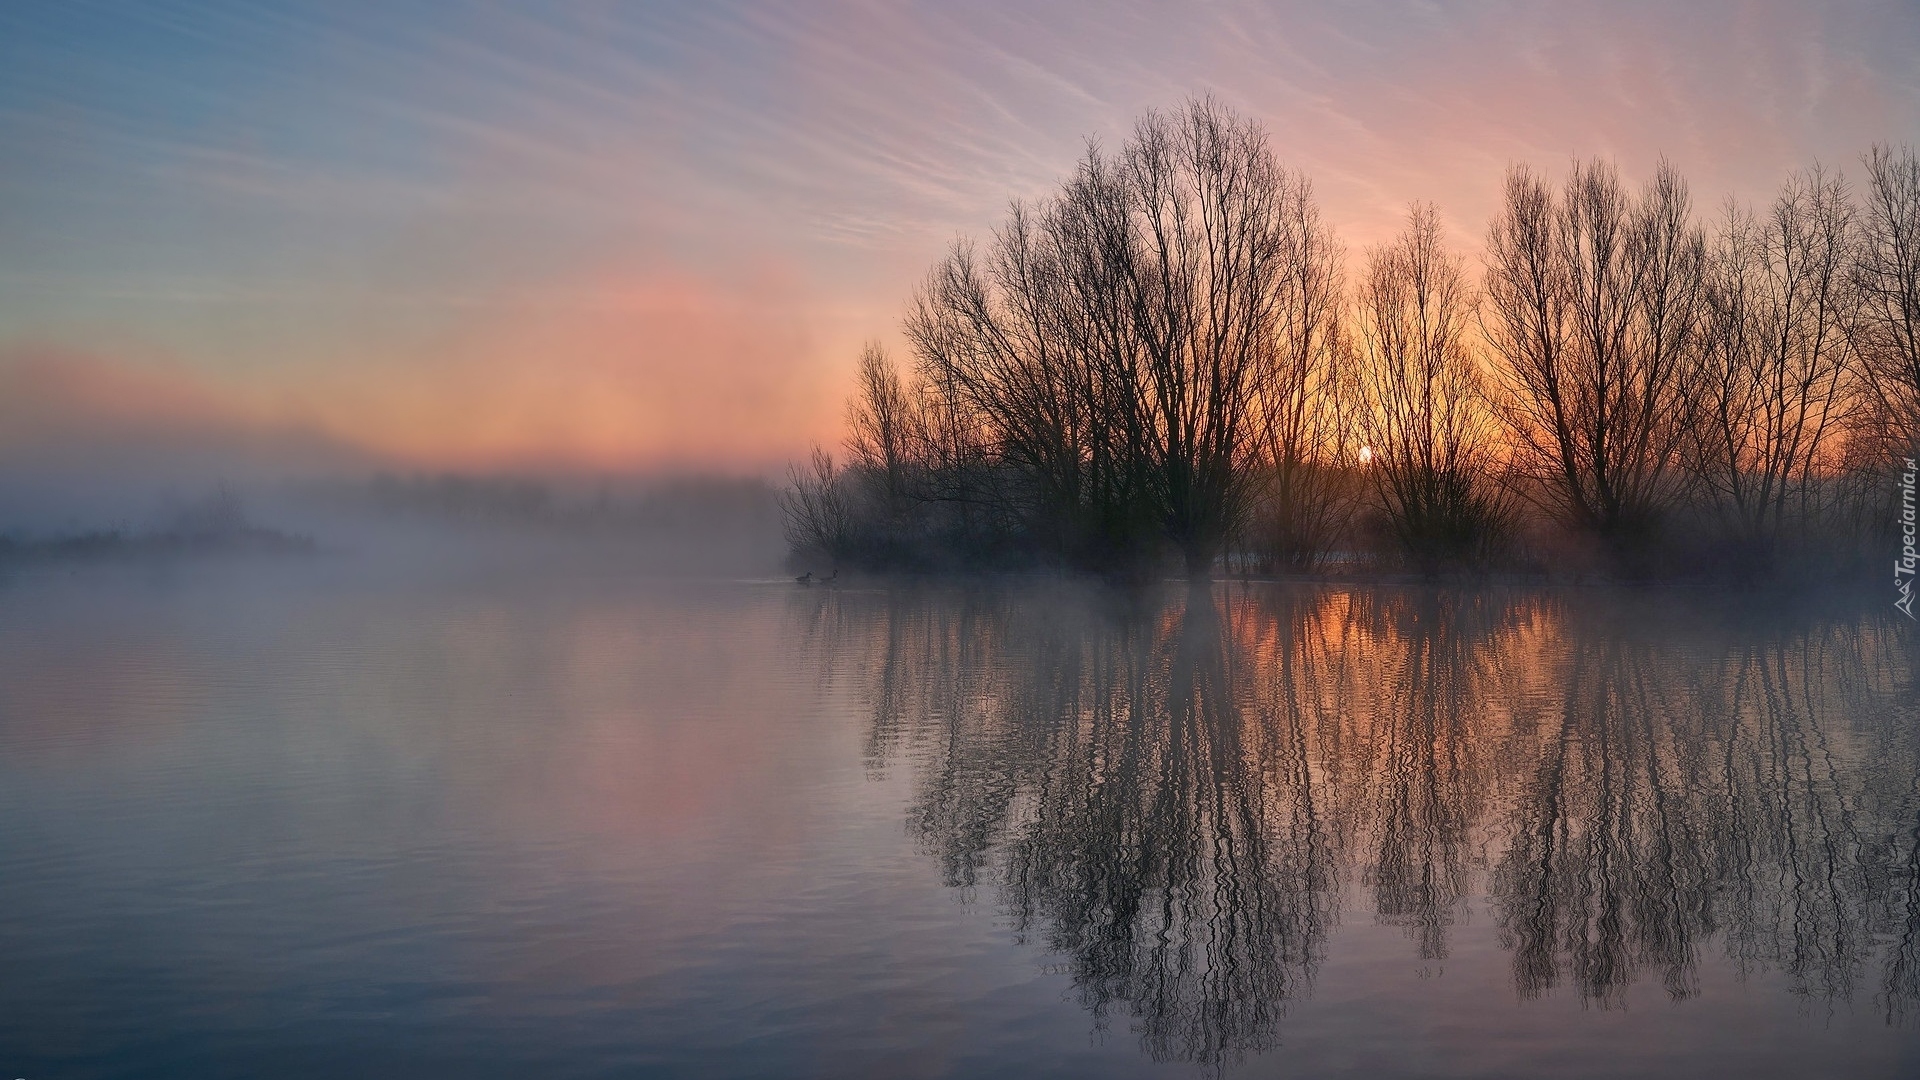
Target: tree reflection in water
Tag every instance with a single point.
(1179, 796)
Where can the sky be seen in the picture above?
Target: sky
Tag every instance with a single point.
(633, 237)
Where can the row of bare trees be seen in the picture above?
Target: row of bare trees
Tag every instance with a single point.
(1166, 357)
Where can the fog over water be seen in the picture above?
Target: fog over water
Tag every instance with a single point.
(534, 810)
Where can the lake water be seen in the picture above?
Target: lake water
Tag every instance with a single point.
(323, 822)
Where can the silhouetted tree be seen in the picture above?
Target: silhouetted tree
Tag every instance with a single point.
(1773, 384)
(1305, 401)
(1887, 276)
(1594, 299)
(1109, 344)
(817, 509)
(1424, 415)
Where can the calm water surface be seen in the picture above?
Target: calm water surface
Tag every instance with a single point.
(314, 822)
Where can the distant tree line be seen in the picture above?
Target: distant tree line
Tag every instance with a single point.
(1165, 359)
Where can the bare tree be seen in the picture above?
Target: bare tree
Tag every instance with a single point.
(1594, 300)
(817, 510)
(881, 421)
(885, 439)
(1772, 386)
(1305, 401)
(1425, 418)
(1110, 343)
(1210, 209)
(1887, 275)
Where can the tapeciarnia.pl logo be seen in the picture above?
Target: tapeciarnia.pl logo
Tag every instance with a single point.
(1904, 566)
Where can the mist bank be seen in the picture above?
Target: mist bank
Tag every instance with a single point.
(104, 456)
(425, 522)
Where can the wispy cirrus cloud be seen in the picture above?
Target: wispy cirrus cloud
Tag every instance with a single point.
(401, 218)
